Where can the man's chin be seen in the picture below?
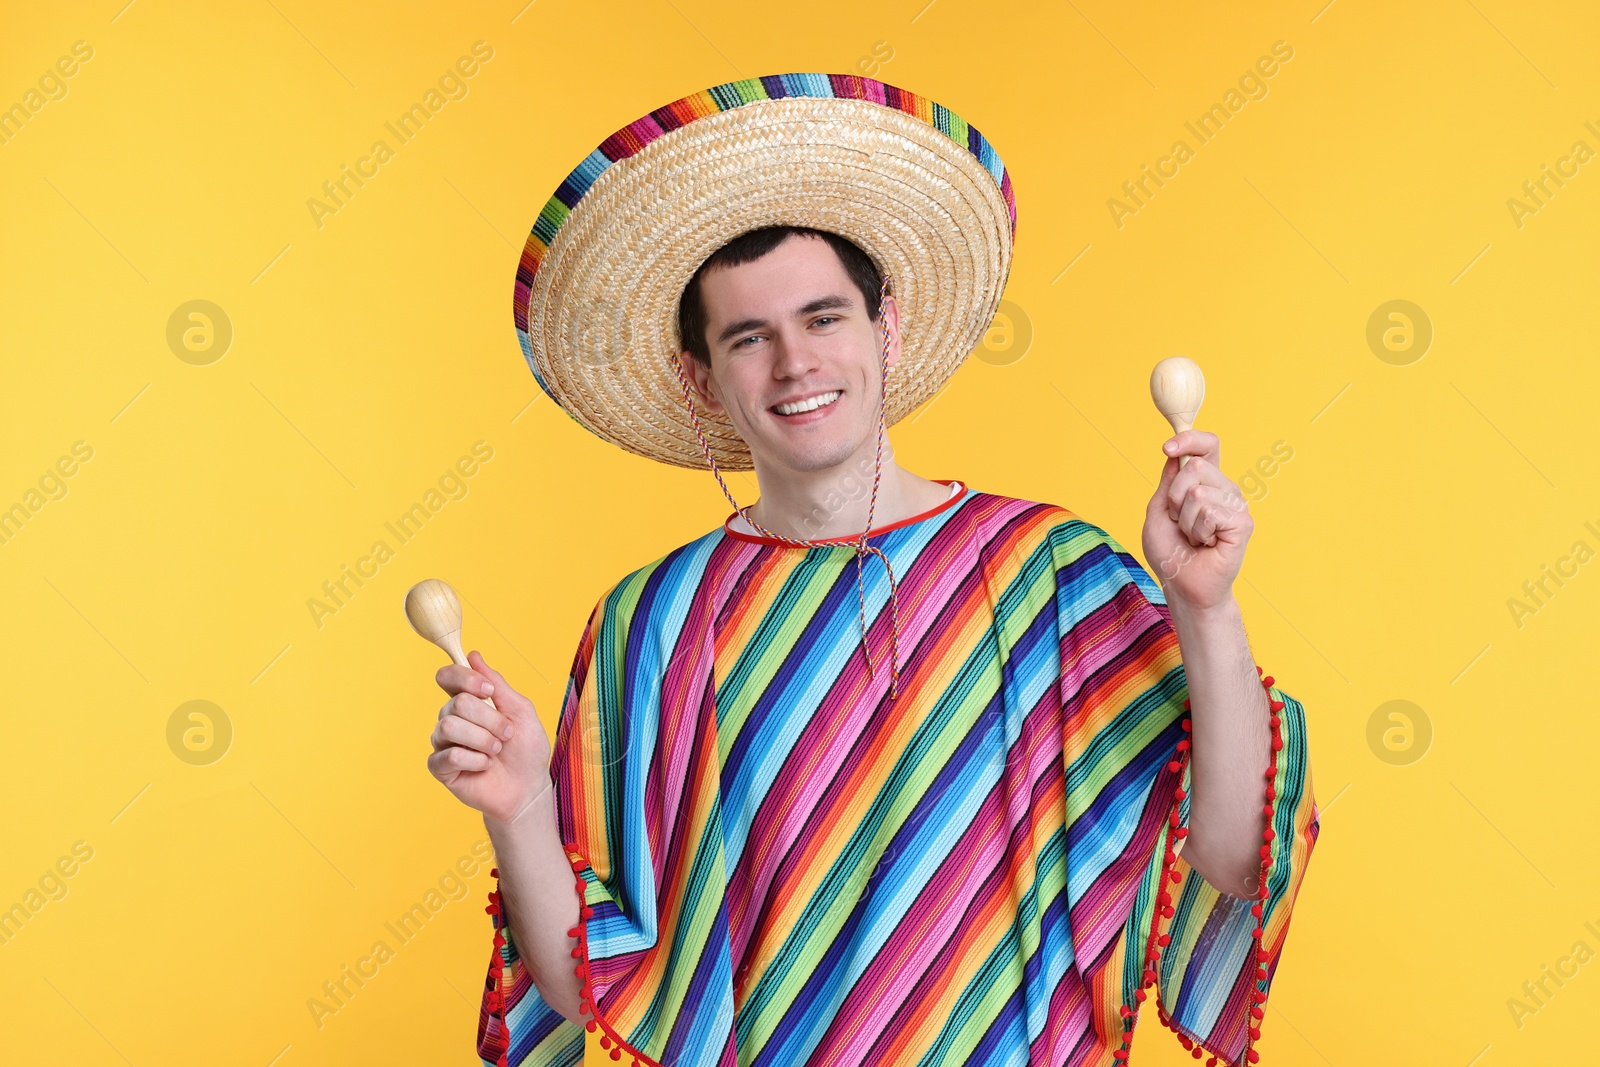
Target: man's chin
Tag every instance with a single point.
(808, 459)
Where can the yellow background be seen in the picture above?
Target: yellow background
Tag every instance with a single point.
(370, 353)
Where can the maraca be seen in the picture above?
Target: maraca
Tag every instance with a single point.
(1178, 388)
(434, 611)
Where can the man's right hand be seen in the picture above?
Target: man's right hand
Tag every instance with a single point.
(497, 761)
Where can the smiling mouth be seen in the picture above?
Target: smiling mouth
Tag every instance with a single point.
(802, 406)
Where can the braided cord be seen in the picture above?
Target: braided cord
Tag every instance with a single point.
(860, 545)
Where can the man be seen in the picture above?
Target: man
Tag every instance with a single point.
(944, 817)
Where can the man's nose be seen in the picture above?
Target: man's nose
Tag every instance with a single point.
(795, 356)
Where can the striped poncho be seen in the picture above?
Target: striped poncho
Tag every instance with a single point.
(780, 867)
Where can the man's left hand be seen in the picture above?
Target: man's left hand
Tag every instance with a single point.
(1197, 524)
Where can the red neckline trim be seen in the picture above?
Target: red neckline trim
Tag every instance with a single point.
(849, 539)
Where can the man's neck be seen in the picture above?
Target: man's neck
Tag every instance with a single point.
(834, 504)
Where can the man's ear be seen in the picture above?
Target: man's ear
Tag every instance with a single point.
(890, 311)
(700, 378)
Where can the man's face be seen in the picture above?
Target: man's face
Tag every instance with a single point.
(791, 326)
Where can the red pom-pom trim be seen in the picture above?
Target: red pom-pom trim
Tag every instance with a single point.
(609, 1036)
(1164, 910)
(495, 1000)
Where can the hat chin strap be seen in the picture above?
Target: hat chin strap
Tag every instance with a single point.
(860, 544)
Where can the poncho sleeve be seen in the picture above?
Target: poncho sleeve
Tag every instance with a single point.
(600, 758)
(1141, 917)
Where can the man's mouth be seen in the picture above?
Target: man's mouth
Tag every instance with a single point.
(801, 407)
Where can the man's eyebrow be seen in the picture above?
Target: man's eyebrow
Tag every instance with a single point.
(831, 302)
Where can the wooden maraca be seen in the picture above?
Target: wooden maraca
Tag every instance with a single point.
(434, 611)
(1178, 388)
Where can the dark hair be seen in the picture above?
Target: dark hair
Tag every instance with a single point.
(751, 246)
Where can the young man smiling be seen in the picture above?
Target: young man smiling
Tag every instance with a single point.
(773, 319)
(902, 779)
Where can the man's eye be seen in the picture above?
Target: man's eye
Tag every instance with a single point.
(752, 337)
(826, 318)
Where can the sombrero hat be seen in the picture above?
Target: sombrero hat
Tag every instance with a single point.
(596, 297)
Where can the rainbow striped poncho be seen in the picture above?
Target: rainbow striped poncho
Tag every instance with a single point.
(783, 868)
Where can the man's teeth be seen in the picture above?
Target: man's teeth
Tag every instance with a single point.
(808, 405)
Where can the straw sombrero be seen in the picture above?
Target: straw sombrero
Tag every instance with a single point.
(917, 188)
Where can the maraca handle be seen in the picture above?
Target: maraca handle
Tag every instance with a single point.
(451, 643)
(1178, 388)
(1178, 426)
